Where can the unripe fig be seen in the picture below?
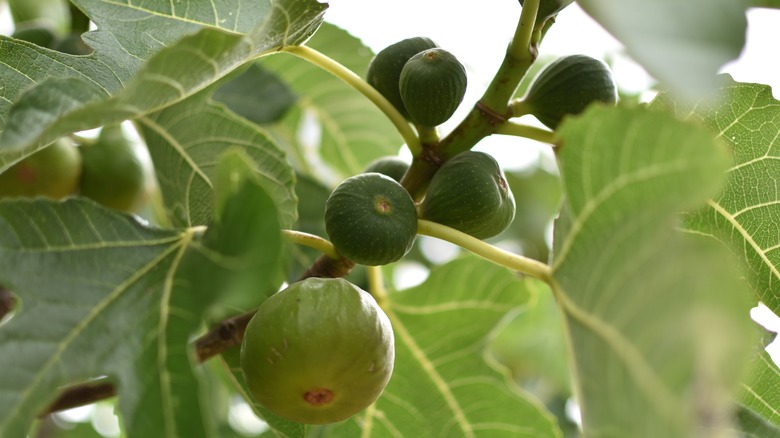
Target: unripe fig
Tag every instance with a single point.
(432, 84)
(567, 86)
(394, 167)
(318, 352)
(115, 173)
(51, 172)
(470, 193)
(384, 71)
(371, 219)
(548, 8)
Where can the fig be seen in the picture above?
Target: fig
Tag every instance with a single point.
(51, 172)
(394, 167)
(432, 84)
(371, 219)
(470, 193)
(567, 86)
(36, 33)
(384, 71)
(548, 8)
(318, 352)
(115, 172)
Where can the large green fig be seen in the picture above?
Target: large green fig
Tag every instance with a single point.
(115, 173)
(371, 219)
(394, 167)
(52, 172)
(384, 71)
(432, 84)
(548, 8)
(470, 193)
(567, 86)
(318, 352)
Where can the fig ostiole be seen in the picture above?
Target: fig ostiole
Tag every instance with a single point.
(371, 219)
(470, 194)
(385, 68)
(567, 86)
(318, 352)
(432, 84)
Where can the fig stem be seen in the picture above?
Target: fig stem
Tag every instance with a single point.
(312, 241)
(340, 71)
(526, 131)
(485, 250)
(376, 285)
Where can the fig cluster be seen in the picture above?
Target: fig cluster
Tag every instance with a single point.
(318, 352)
(424, 82)
(111, 171)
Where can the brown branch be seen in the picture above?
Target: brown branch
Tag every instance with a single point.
(227, 334)
(80, 395)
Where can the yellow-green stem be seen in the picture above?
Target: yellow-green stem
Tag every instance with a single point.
(312, 241)
(526, 131)
(485, 250)
(376, 284)
(337, 69)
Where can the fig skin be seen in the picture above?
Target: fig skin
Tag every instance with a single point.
(52, 172)
(433, 84)
(392, 166)
(384, 70)
(567, 86)
(470, 194)
(371, 219)
(115, 174)
(318, 352)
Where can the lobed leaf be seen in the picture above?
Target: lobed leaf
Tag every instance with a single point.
(745, 216)
(657, 321)
(158, 60)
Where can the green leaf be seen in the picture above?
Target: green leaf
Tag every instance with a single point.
(760, 395)
(354, 132)
(747, 118)
(765, 3)
(658, 322)
(184, 140)
(443, 383)
(258, 95)
(128, 78)
(96, 289)
(682, 43)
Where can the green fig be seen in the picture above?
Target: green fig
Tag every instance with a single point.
(51, 172)
(470, 193)
(116, 173)
(432, 84)
(318, 352)
(384, 71)
(566, 87)
(394, 167)
(371, 219)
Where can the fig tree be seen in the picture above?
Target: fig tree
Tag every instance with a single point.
(394, 167)
(432, 84)
(318, 352)
(567, 86)
(384, 71)
(371, 219)
(470, 193)
(115, 173)
(51, 172)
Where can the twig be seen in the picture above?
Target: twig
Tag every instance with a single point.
(80, 395)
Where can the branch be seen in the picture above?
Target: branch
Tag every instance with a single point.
(80, 395)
